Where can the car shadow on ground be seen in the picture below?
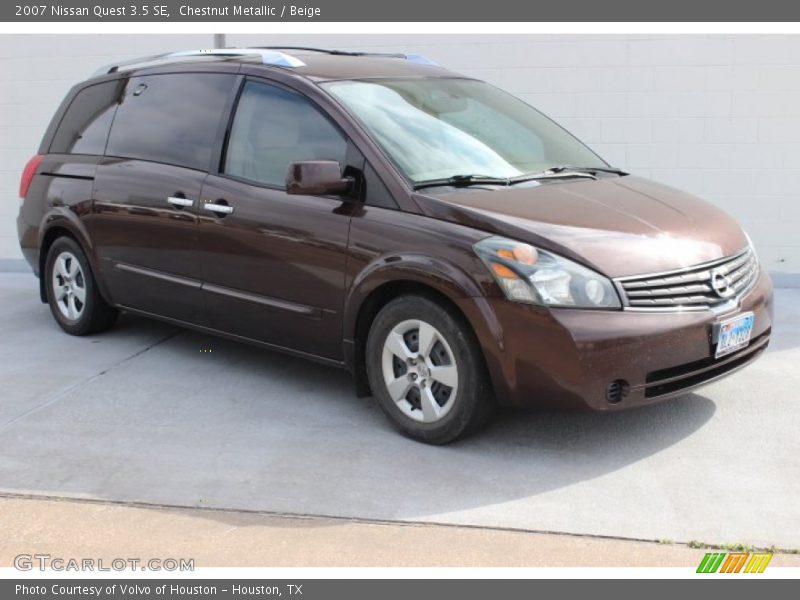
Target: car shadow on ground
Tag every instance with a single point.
(201, 421)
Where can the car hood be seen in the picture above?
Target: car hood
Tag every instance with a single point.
(619, 226)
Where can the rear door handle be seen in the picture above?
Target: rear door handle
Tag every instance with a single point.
(175, 201)
(220, 209)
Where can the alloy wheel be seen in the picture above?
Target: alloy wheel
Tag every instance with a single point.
(69, 286)
(420, 371)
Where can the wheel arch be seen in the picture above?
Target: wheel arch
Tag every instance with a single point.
(442, 284)
(58, 226)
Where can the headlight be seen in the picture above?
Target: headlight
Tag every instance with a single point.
(527, 274)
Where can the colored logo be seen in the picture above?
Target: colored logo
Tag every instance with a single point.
(734, 562)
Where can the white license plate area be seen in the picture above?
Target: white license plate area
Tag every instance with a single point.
(734, 334)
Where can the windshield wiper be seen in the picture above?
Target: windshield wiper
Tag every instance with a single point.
(564, 171)
(463, 181)
(559, 172)
(590, 170)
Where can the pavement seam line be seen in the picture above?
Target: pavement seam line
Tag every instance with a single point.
(358, 520)
(59, 395)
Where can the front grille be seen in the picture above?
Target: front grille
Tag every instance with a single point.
(702, 286)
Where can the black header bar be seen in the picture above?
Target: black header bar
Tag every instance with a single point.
(385, 589)
(401, 11)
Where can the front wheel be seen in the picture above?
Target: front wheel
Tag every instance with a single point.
(426, 371)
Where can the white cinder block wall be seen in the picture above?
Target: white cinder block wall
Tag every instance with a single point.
(718, 116)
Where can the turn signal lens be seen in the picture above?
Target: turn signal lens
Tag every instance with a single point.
(524, 254)
(514, 285)
(503, 271)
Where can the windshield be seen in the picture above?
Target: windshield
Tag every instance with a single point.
(439, 128)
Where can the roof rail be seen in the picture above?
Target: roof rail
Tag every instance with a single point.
(421, 60)
(268, 57)
(320, 50)
(415, 58)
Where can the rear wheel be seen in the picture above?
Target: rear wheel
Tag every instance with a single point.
(72, 294)
(426, 371)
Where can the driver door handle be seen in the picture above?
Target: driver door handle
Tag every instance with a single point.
(220, 209)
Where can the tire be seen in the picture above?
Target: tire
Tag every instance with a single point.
(434, 394)
(72, 293)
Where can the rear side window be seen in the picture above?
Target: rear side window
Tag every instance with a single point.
(171, 119)
(274, 127)
(85, 125)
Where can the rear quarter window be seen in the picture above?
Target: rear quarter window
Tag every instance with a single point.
(85, 125)
(171, 118)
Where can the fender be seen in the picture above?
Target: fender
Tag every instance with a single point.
(64, 217)
(446, 278)
(427, 270)
(442, 275)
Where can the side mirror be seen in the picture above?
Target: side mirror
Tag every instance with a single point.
(317, 178)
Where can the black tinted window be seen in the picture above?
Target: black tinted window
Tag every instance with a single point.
(171, 119)
(84, 127)
(274, 127)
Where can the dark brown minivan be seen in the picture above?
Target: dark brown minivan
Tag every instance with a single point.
(445, 242)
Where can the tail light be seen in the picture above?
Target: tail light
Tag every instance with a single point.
(28, 173)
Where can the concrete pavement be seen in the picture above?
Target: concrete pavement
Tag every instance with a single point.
(145, 413)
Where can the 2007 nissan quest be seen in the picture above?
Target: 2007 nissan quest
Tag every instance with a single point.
(445, 242)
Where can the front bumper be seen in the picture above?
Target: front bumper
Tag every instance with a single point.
(568, 358)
